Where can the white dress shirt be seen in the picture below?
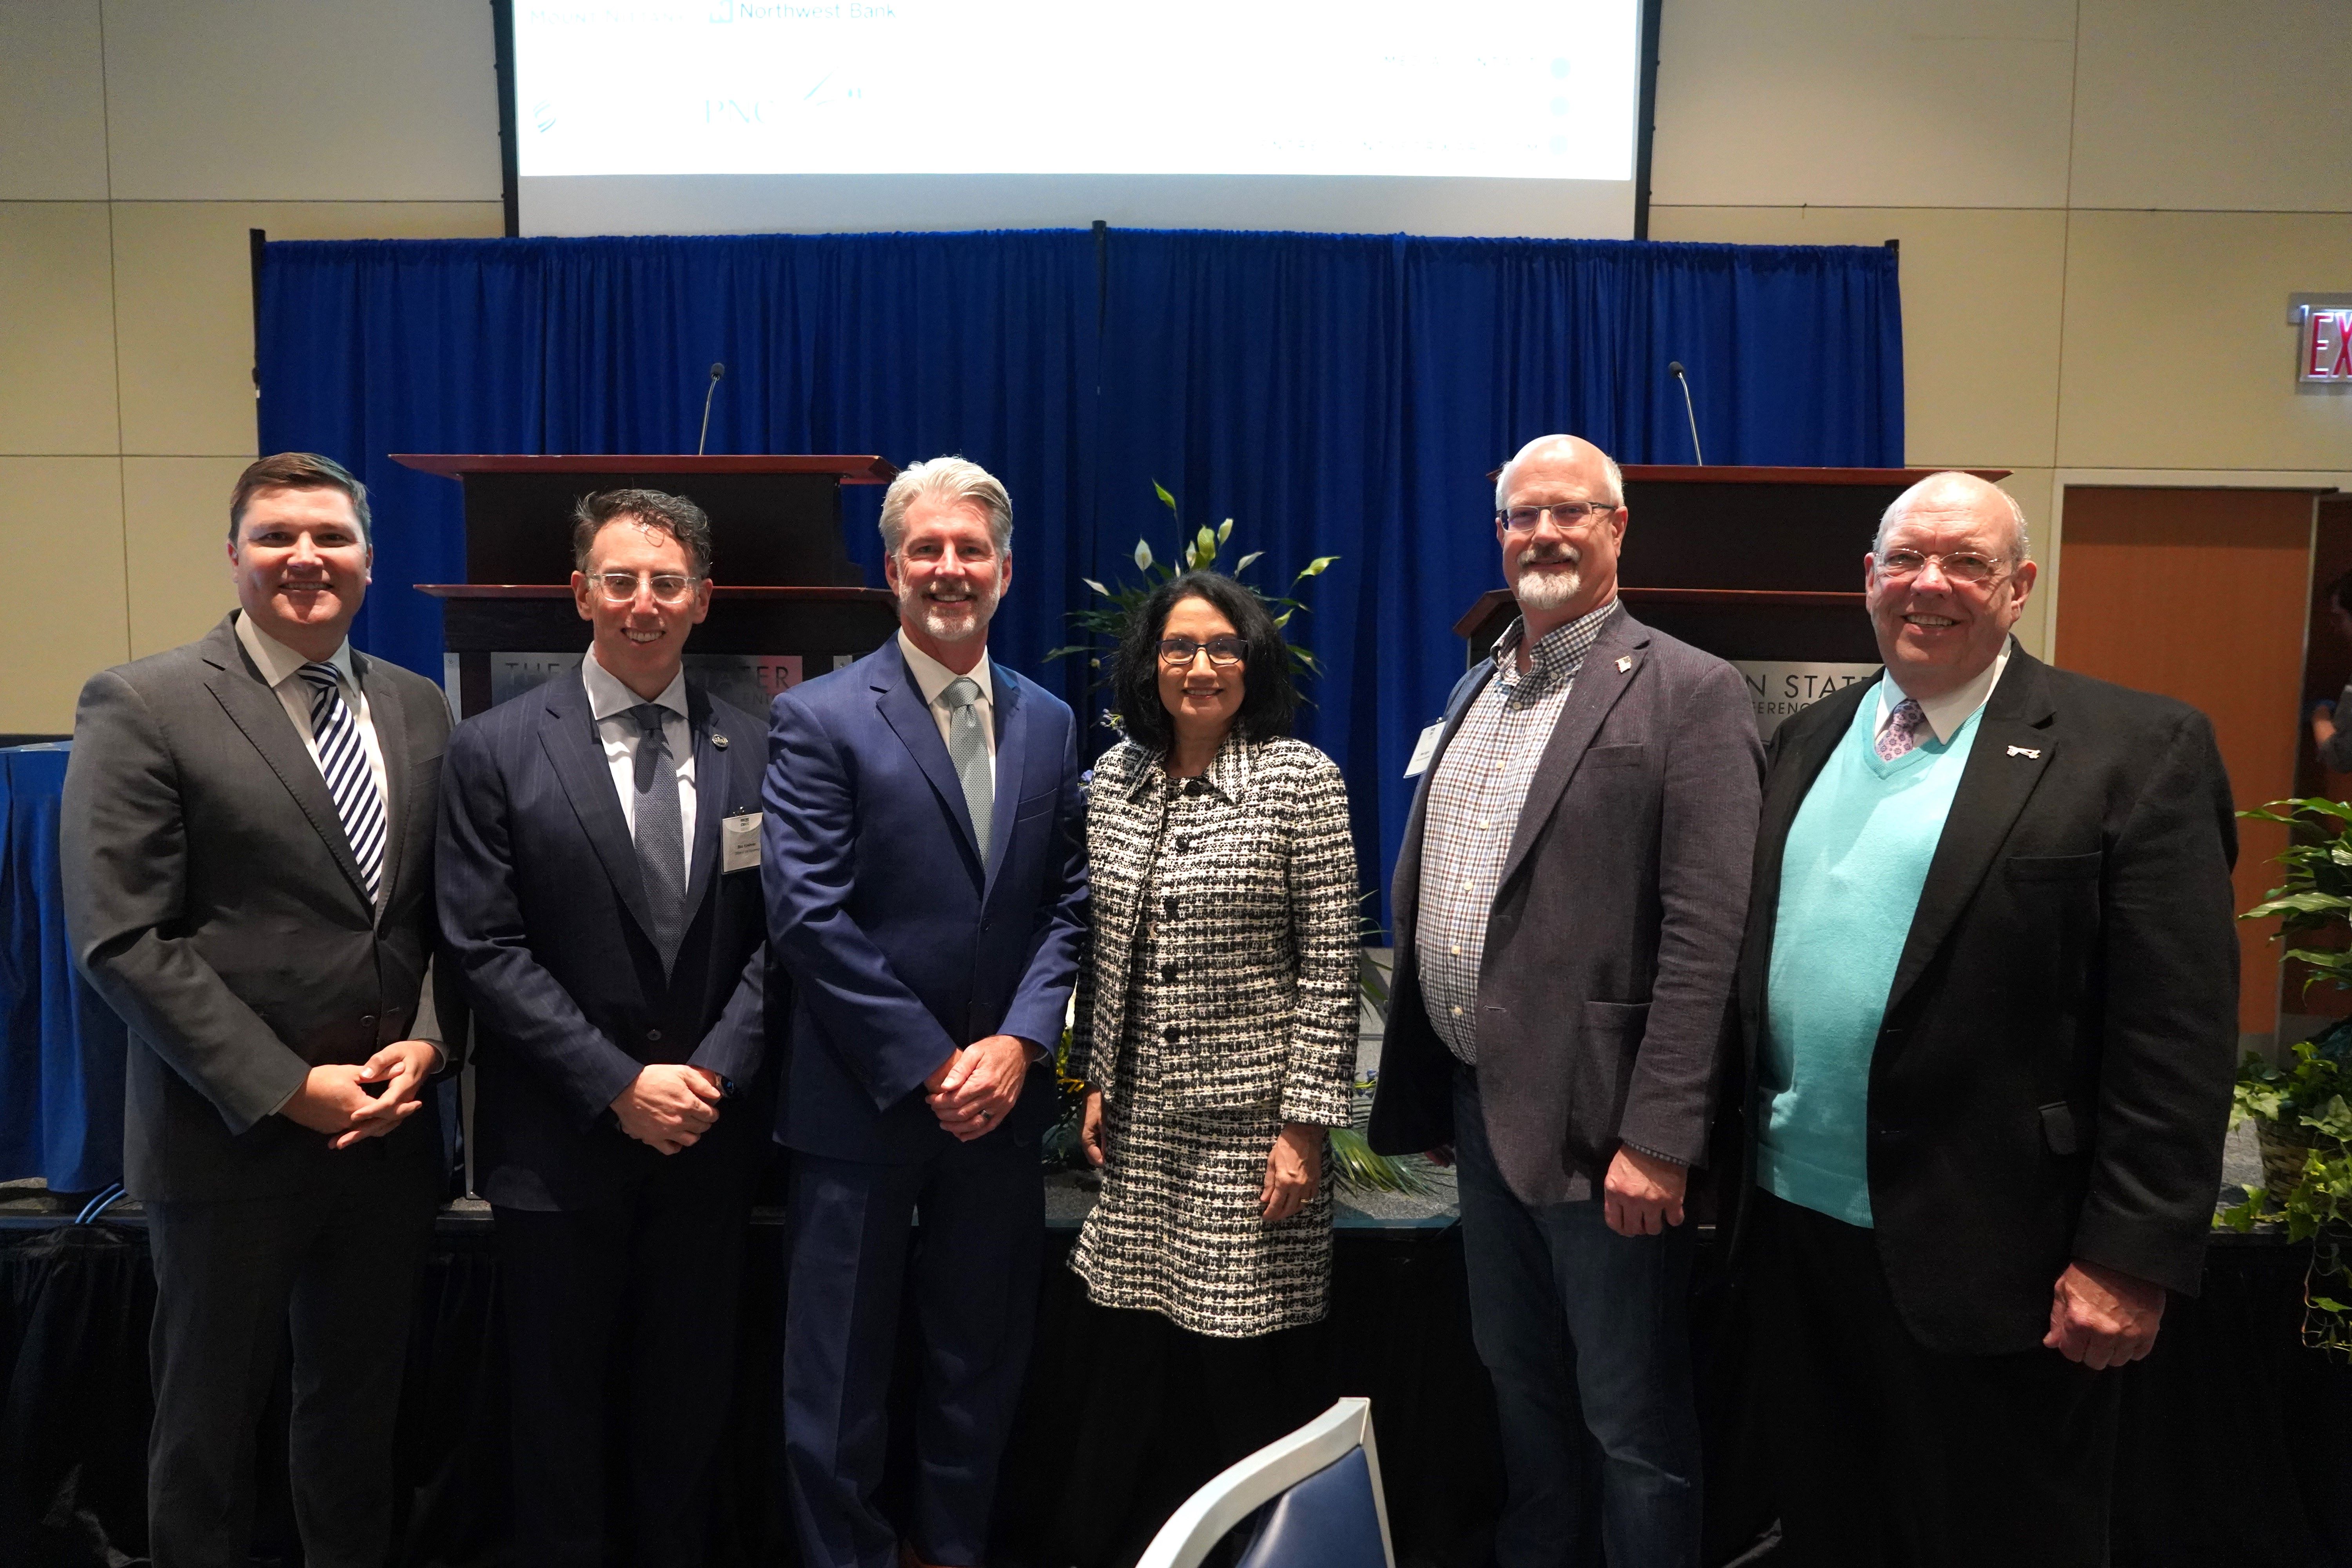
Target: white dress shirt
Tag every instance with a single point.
(931, 678)
(282, 668)
(1945, 714)
(610, 701)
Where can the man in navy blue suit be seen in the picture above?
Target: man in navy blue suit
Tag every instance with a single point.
(600, 894)
(926, 878)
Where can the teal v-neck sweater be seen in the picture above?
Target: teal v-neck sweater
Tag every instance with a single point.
(1850, 878)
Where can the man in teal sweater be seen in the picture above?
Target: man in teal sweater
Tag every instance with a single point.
(1989, 992)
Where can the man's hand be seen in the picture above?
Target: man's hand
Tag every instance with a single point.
(669, 1106)
(1092, 1135)
(1643, 1195)
(1441, 1156)
(2103, 1317)
(400, 1068)
(331, 1098)
(979, 1085)
(1294, 1168)
(2323, 722)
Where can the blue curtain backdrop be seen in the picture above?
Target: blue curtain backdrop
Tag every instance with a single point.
(1333, 394)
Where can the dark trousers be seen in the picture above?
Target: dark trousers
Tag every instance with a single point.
(621, 1331)
(970, 1278)
(1889, 1453)
(1585, 1334)
(336, 1265)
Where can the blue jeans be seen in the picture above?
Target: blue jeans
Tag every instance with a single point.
(1586, 1336)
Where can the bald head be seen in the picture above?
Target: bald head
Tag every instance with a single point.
(1953, 491)
(1562, 450)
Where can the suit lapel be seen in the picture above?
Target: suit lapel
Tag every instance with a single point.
(567, 732)
(1609, 669)
(902, 707)
(2014, 748)
(1011, 757)
(390, 720)
(256, 711)
(711, 795)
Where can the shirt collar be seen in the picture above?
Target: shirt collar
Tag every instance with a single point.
(1946, 715)
(1557, 655)
(607, 695)
(932, 676)
(279, 663)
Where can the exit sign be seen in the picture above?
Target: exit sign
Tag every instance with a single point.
(2323, 324)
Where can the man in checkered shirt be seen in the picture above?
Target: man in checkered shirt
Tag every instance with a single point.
(1568, 910)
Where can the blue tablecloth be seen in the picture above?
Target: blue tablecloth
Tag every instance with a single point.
(61, 1048)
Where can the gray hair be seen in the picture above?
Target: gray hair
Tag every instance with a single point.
(947, 479)
(1616, 496)
(1953, 478)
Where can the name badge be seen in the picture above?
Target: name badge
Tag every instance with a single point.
(1424, 749)
(739, 842)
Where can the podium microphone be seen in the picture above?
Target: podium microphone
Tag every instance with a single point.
(1674, 368)
(718, 374)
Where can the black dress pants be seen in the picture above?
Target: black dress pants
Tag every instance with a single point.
(1888, 1453)
(336, 1265)
(621, 1337)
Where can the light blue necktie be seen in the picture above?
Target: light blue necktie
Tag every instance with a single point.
(968, 750)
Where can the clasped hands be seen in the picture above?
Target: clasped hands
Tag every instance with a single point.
(335, 1097)
(976, 1088)
(1293, 1166)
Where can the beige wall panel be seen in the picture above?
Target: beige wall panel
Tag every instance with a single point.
(1864, 104)
(302, 99)
(2031, 488)
(65, 526)
(1980, 311)
(52, 101)
(184, 281)
(2178, 350)
(56, 329)
(2191, 104)
(175, 531)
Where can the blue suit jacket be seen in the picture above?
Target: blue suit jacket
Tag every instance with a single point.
(901, 942)
(543, 913)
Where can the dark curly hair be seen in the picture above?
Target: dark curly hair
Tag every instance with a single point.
(1268, 698)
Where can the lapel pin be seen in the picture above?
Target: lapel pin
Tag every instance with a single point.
(719, 740)
(2033, 752)
(1625, 663)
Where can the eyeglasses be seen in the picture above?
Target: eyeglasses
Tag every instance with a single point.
(1225, 652)
(1962, 566)
(1567, 515)
(668, 587)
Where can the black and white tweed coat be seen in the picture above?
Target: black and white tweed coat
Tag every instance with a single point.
(1256, 931)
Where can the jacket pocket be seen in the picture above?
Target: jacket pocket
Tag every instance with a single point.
(1625, 756)
(2054, 867)
(1601, 1075)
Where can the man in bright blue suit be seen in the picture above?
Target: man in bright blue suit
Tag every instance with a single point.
(926, 880)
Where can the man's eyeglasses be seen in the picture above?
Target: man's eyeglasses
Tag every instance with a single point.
(668, 587)
(1962, 566)
(1225, 652)
(1567, 515)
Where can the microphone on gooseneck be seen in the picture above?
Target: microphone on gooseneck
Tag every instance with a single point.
(717, 374)
(1674, 369)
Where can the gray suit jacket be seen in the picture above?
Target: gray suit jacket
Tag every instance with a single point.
(213, 900)
(1605, 986)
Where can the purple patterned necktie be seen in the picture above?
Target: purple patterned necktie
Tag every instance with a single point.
(1902, 732)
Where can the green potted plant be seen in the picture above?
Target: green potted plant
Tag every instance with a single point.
(2302, 1108)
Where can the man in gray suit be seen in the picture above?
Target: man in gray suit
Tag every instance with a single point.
(1568, 909)
(248, 854)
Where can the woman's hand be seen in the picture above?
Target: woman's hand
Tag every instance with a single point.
(1293, 1170)
(1092, 1135)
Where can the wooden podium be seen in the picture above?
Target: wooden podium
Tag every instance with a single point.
(787, 603)
(1761, 566)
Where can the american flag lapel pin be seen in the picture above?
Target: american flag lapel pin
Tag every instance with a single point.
(2033, 751)
(1625, 662)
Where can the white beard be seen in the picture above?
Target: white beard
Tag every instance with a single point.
(1544, 592)
(953, 621)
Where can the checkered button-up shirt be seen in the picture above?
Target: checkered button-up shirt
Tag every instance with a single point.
(1475, 799)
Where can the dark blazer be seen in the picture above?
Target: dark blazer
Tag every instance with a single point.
(1606, 979)
(213, 900)
(901, 944)
(542, 911)
(2052, 1077)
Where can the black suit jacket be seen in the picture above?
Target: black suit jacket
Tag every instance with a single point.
(2052, 1079)
(543, 914)
(213, 900)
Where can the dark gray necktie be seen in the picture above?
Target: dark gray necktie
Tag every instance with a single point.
(660, 831)
(968, 750)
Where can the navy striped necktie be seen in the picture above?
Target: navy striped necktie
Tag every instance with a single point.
(343, 761)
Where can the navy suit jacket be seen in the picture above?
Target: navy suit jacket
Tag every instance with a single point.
(901, 942)
(543, 913)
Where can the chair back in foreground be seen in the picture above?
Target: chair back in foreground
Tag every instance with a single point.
(1323, 1482)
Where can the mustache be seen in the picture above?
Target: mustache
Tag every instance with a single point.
(1543, 554)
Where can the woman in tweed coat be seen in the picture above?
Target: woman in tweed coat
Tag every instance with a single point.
(1216, 1016)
